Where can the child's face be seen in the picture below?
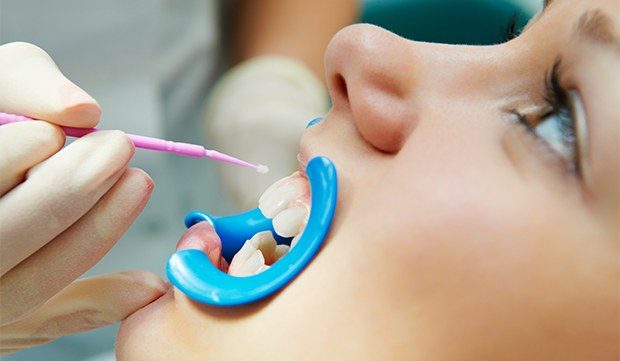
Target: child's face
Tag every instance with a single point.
(458, 235)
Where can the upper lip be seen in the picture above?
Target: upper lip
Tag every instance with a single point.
(304, 156)
(303, 162)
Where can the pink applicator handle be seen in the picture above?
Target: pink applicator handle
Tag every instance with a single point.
(160, 145)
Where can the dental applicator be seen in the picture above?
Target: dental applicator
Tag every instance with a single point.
(160, 145)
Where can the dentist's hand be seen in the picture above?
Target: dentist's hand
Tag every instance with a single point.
(61, 210)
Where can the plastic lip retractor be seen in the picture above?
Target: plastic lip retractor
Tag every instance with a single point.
(192, 272)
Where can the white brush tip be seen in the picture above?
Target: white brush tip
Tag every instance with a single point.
(262, 169)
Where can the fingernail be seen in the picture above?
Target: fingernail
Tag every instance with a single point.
(71, 95)
(78, 107)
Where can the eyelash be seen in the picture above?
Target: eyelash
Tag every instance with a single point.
(557, 98)
(558, 105)
(511, 28)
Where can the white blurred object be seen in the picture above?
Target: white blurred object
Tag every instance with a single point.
(257, 112)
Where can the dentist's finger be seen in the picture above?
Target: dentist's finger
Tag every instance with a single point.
(24, 145)
(58, 192)
(75, 250)
(83, 305)
(31, 84)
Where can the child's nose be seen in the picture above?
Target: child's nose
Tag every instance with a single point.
(389, 84)
(369, 72)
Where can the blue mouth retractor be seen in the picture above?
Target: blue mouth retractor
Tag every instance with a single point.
(236, 229)
(192, 272)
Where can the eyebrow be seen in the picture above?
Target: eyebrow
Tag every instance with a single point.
(594, 26)
(597, 27)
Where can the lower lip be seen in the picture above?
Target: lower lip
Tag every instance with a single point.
(202, 237)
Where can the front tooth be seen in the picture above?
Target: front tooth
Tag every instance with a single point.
(255, 255)
(281, 250)
(295, 240)
(288, 222)
(252, 265)
(264, 242)
(262, 268)
(241, 257)
(281, 194)
(276, 200)
(271, 189)
(298, 236)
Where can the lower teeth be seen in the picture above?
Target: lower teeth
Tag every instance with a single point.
(256, 255)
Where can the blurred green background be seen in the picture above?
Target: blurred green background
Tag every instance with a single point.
(474, 22)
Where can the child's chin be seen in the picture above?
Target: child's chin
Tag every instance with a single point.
(141, 335)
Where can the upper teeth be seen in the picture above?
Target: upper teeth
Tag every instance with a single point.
(288, 222)
(286, 202)
(283, 193)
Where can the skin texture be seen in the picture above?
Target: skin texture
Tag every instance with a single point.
(457, 235)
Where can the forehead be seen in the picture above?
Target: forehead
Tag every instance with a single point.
(547, 3)
(608, 7)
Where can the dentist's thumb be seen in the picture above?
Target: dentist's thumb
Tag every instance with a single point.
(83, 305)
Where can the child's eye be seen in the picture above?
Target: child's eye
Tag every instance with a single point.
(512, 30)
(557, 128)
(562, 127)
